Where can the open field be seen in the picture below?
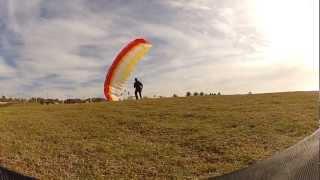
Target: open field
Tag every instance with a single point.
(175, 138)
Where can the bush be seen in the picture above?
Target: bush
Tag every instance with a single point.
(195, 93)
(188, 94)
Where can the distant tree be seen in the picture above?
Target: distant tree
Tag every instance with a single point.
(188, 94)
(96, 99)
(3, 98)
(249, 92)
(72, 101)
(195, 94)
(201, 93)
(219, 94)
(174, 95)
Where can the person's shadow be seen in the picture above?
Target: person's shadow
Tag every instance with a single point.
(6, 174)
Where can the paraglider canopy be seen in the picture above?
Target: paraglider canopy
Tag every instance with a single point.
(123, 66)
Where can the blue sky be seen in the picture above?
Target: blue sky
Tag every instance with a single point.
(63, 48)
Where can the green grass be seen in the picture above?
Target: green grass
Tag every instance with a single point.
(169, 138)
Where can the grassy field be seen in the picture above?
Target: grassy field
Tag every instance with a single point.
(169, 138)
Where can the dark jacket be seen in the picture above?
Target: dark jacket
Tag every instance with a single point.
(138, 85)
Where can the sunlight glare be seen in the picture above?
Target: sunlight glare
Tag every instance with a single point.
(287, 26)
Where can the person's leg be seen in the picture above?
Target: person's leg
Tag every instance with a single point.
(140, 94)
(136, 93)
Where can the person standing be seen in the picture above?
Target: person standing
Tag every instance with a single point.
(138, 88)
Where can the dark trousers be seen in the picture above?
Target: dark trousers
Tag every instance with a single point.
(137, 91)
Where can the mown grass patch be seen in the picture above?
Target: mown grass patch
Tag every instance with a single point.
(154, 138)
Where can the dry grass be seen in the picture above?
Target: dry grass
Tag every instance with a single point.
(175, 138)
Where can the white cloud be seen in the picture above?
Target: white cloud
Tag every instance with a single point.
(64, 47)
(6, 70)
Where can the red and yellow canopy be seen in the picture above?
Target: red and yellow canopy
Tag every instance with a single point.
(122, 67)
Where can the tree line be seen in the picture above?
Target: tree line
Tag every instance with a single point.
(198, 94)
(201, 94)
(50, 100)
